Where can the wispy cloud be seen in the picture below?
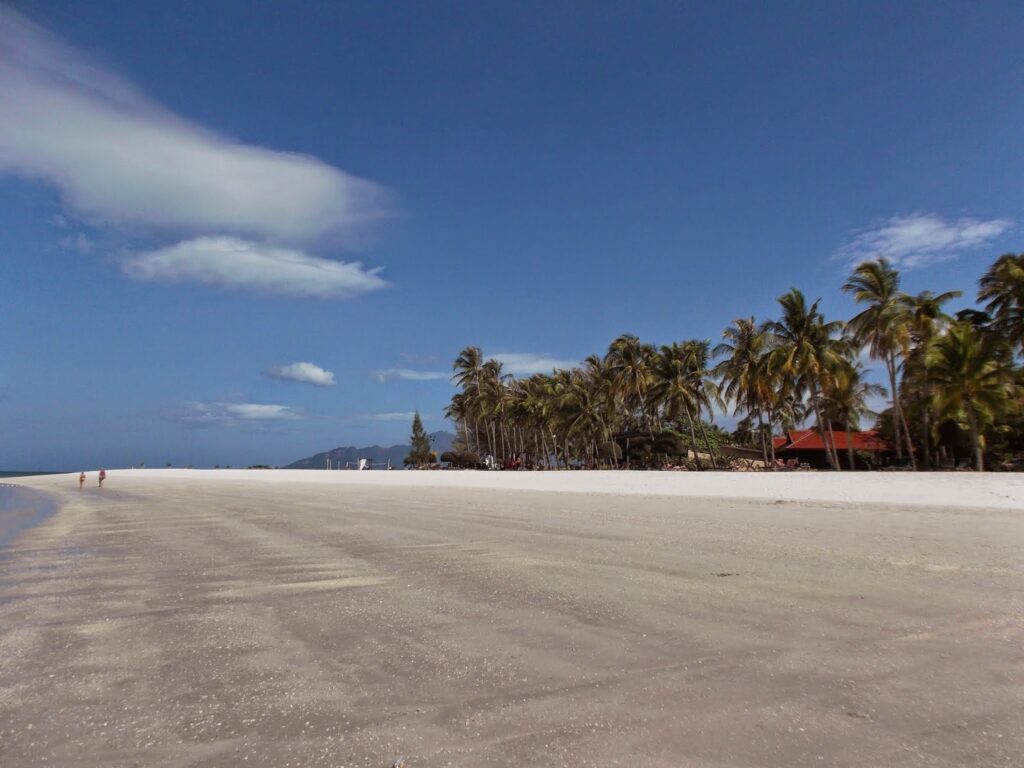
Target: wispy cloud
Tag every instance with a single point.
(408, 374)
(79, 242)
(398, 416)
(526, 363)
(307, 373)
(197, 413)
(921, 239)
(118, 156)
(234, 263)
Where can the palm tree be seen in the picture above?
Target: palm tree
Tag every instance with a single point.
(971, 373)
(925, 318)
(674, 390)
(745, 374)
(705, 389)
(1002, 287)
(468, 367)
(630, 362)
(881, 327)
(806, 352)
(848, 399)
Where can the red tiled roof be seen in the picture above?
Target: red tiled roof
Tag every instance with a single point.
(810, 440)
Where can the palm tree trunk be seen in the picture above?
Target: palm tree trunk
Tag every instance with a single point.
(771, 437)
(910, 442)
(926, 428)
(764, 444)
(972, 422)
(693, 442)
(707, 443)
(832, 446)
(849, 446)
(821, 426)
(890, 365)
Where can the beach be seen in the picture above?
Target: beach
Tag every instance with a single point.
(275, 618)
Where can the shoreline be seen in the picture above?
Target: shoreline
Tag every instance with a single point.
(960, 489)
(23, 508)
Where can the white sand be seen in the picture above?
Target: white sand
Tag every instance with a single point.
(948, 489)
(267, 619)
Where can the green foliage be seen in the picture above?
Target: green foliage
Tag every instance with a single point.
(420, 453)
(639, 403)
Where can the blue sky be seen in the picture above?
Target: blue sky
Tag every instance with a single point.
(197, 197)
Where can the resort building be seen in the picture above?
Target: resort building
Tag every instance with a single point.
(805, 446)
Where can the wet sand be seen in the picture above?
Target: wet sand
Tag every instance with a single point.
(192, 622)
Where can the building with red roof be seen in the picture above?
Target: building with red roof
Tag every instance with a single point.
(806, 447)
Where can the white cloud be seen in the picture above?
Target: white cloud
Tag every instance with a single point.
(234, 263)
(231, 414)
(526, 363)
(307, 373)
(921, 239)
(118, 156)
(408, 374)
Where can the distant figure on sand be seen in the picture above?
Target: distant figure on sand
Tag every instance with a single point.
(103, 476)
(81, 480)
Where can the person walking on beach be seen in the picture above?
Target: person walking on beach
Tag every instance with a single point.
(103, 476)
(81, 480)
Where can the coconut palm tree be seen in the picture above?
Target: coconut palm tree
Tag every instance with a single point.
(881, 326)
(848, 399)
(674, 390)
(468, 368)
(925, 317)
(971, 374)
(706, 395)
(630, 361)
(1002, 290)
(745, 374)
(806, 351)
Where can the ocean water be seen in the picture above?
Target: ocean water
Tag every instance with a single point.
(20, 509)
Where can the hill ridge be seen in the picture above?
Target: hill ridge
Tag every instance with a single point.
(441, 440)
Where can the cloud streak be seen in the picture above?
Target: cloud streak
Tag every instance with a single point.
(305, 373)
(408, 374)
(233, 263)
(526, 363)
(118, 156)
(202, 414)
(921, 239)
(402, 416)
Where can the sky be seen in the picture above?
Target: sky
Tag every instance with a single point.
(236, 233)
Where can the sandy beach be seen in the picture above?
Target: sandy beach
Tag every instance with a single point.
(232, 618)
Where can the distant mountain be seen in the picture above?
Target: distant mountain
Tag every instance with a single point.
(441, 441)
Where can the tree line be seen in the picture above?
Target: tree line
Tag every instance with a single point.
(952, 379)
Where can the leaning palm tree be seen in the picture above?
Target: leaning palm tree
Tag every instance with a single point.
(881, 327)
(807, 349)
(971, 373)
(1002, 289)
